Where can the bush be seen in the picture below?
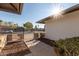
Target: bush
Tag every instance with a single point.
(69, 46)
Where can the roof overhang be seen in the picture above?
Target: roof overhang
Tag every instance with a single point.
(67, 11)
(11, 7)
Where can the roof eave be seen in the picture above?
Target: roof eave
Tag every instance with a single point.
(67, 11)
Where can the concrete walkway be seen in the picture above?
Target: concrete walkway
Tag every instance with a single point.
(39, 48)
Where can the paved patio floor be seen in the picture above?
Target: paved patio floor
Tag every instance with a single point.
(39, 48)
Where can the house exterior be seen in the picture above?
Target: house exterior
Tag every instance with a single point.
(63, 27)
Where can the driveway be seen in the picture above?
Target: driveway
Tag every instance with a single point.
(39, 48)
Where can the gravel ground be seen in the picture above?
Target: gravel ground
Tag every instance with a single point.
(15, 49)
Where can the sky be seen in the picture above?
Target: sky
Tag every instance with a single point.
(33, 12)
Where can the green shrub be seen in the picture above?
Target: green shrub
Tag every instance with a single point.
(69, 46)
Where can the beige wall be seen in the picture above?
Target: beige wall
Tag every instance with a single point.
(65, 27)
(28, 36)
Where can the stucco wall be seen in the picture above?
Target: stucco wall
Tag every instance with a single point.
(65, 27)
(28, 36)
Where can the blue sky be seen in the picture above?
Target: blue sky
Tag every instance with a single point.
(32, 12)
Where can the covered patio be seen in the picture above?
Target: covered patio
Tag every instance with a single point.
(11, 7)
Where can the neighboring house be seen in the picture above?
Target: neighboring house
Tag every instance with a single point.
(66, 26)
(19, 29)
(4, 28)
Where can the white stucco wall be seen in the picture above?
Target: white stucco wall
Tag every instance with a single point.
(65, 27)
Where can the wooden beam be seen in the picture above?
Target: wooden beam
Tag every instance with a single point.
(13, 6)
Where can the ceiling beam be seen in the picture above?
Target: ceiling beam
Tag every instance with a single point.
(13, 6)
